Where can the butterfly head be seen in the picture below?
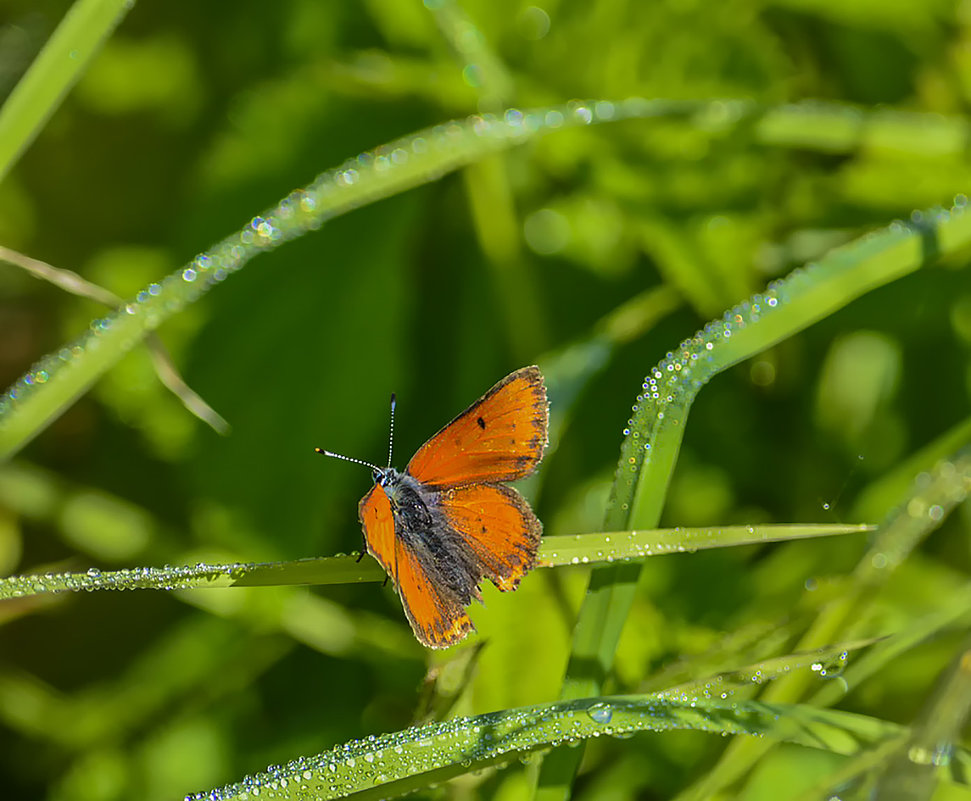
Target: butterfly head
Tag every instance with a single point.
(385, 476)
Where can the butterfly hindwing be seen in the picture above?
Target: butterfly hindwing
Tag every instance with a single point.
(437, 620)
(498, 526)
(500, 437)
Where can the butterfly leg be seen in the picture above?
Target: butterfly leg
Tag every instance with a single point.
(364, 550)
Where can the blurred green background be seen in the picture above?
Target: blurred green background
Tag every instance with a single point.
(195, 117)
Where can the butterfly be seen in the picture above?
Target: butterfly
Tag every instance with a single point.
(448, 521)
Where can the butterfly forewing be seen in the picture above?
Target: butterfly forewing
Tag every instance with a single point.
(500, 437)
(500, 528)
(374, 510)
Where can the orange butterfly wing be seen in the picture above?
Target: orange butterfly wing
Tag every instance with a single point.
(374, 511)
(438, 621)
(500, 528)
(500, 437)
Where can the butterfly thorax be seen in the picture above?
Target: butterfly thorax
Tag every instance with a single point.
(422, 526)
(410, 501)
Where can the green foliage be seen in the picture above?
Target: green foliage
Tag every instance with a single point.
(780, 143)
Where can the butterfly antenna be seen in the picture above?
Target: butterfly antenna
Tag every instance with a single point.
(391, 434)
(390, 451)
(333, 455)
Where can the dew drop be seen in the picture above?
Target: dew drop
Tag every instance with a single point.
(600, 713)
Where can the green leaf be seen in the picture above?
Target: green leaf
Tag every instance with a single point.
(554, 552)
(394, 764)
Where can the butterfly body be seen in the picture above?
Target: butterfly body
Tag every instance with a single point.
(448, 521)
(424, 530)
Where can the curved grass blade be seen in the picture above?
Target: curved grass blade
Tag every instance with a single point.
(785, 308)
(324, 570)
(393, 764)
(554, 552)
(60, 378)
(653, 434)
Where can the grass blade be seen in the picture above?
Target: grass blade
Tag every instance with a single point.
(393, 764)
(653, 435)
(58, 67)
(555, 552)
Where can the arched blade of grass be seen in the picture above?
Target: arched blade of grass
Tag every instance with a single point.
(56, 69)
(785, 308)
(933, 498)
(60, 378)
(554, 552)
(393, 764)
(653, 434)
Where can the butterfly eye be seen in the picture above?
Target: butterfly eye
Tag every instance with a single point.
(382, 476)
